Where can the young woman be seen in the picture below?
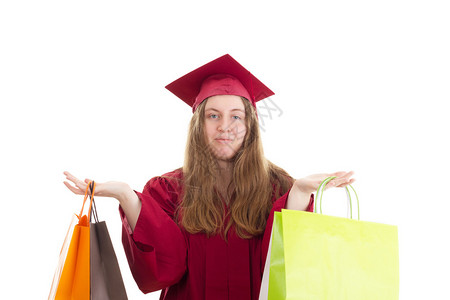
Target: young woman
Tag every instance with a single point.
(202, 231)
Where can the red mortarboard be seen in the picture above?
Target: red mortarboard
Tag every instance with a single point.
(222, 76)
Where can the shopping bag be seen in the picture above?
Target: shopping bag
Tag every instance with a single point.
(71, 279)
(106, 279)
(88, 267)
(314, 256)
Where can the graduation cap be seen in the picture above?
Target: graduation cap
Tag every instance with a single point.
(222, 76)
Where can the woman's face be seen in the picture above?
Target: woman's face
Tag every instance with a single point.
(225, 125)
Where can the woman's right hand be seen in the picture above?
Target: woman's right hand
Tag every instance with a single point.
(128, 199)
(112, 189)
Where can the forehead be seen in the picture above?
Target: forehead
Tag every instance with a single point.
(225, 102)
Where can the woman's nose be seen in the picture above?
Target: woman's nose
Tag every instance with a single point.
(225, 126)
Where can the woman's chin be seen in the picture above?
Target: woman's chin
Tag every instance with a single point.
(225, 155)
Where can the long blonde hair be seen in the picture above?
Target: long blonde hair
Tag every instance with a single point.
(255, 181)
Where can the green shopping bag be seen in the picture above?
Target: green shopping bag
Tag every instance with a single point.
(315, 256)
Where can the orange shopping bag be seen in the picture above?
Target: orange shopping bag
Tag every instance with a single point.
(71, 280)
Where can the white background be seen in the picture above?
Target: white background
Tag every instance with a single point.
(360, 85)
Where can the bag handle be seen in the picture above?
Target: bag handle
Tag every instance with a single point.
(90, 186)
(319, 195)
(94, 208)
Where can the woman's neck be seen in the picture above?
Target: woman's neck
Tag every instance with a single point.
(225, 166)
(224, 176)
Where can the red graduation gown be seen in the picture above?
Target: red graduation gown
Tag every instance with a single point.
(163, 256)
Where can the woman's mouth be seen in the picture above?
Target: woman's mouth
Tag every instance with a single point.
(224, 141)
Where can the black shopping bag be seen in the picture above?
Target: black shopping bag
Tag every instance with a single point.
(106, 279)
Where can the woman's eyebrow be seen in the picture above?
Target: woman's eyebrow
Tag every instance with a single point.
(234, 109)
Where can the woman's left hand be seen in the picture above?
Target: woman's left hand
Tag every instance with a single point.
(302, 189)
(311, 183)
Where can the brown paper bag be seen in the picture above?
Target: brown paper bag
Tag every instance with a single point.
(106, 279)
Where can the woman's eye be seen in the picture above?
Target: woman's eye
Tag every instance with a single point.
(236, 117)
(213, 116)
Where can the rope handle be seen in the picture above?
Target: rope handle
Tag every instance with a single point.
(94, 208)
(91, 187)
(319, 195)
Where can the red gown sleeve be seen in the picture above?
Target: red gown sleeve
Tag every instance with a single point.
(156, 250)
(277, 206)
